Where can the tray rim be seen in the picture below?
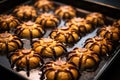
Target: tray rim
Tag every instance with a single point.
(102, 4)
(98, 7)
(108, 64)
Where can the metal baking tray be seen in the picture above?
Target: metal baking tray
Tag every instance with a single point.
(83, 8)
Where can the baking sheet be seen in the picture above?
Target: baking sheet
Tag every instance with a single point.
(35, 73)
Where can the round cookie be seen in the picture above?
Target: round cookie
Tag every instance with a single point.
(9, 43)
(48, 20)
(25, 12)
(84, 59)
(117, 23)
(29, 30)
(81, 25)
(65, 12)
(44, 5)
(59, 70)
(25, 59)
(65, 35)
(49, 48)
(100, 45)
(8, 22)
(112, 33)
(96, 18)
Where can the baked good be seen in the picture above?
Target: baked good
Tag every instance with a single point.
(25, 59)
(96, 18)
(44, 5)
(29, 30)
(65, 35)
(81, 25)
(59, 70)
(49, 48)
(8, 22)
(65, 12)
(110, 32)
(25, 12)
(9, 43)
(117, 23)
(84, 58)
(100, 45)
(48, 20)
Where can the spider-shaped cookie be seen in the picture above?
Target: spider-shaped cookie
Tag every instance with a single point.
(96, 18)
(29, 30)
(65, 12)
(100, 45)
(44, 5)
(84, 58)
(8, 22)
(25, 59)
(48, 20)
(9, 42)
(50, 48)
(65, 35)
(117, 23)
(81, 25)
(25, 12)
(59, 70)
(110, 32)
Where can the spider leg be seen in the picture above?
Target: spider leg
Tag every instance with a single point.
(18, 58)
(31, 36)
(76, 70)
(54, 53)
(9, 56)
(37, 55)
(44, 71)
(28, 66)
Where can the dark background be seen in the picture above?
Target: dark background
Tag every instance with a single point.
(113, 73)
(115, 3)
